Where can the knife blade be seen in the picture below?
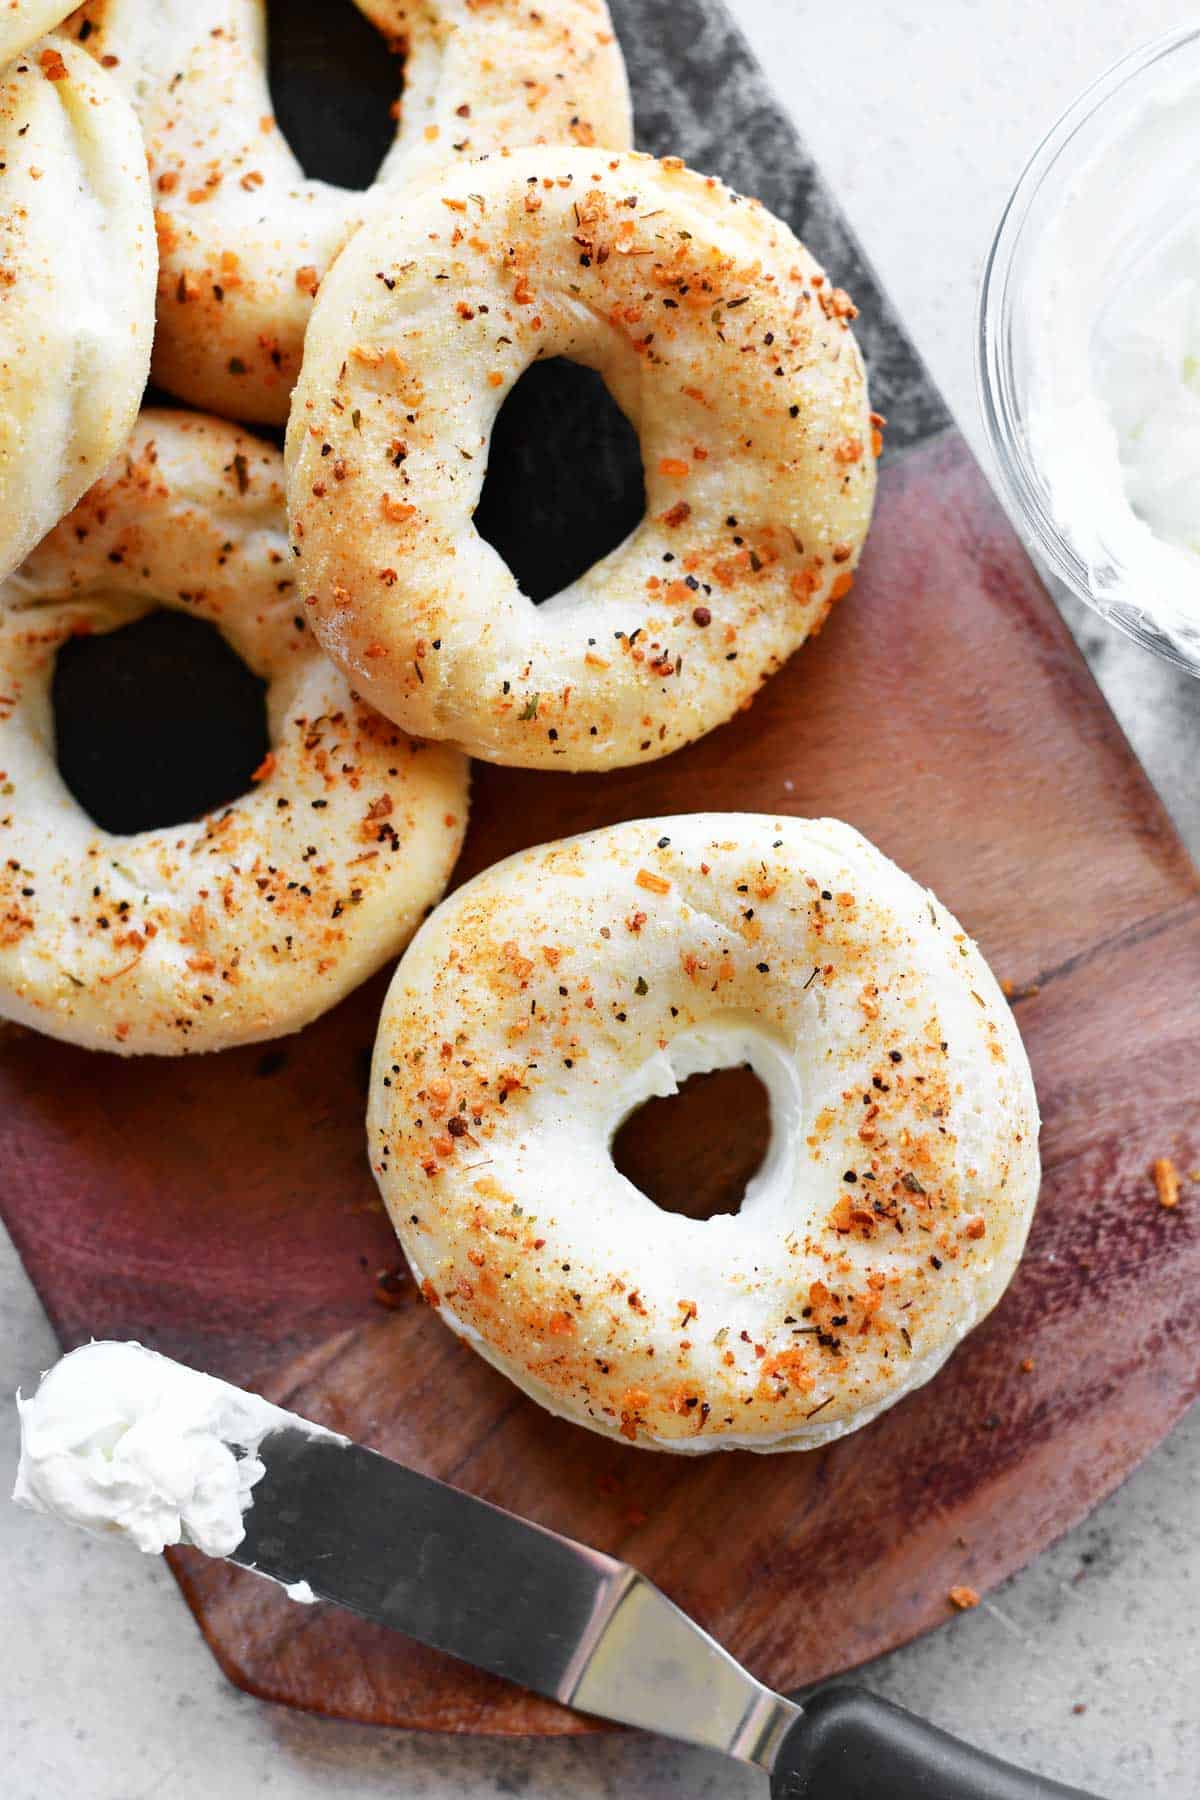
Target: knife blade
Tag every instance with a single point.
(580, 1627)
(499, 1592)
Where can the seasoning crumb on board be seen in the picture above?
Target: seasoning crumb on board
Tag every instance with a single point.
(964, 1598)
(393, 1287)
(1166, 1181)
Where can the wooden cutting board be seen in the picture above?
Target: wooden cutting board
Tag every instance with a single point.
(222, 1211)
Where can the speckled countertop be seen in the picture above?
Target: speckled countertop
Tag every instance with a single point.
(921, 113)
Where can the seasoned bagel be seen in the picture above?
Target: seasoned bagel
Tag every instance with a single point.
(555, 993)
(250, 922)
(244, 236)
(724, 345)
(77, 263)
(21, 21)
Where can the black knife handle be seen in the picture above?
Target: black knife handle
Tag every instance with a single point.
(848, 1744)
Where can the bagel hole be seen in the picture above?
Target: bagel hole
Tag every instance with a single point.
(334, 80)
(695, 1152)
(157, 722)
(564, 482)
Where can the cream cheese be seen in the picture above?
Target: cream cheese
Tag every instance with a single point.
(1113, 328)
(125, 1443)
(1148, 377)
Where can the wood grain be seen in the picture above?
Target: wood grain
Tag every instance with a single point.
(222, 1211)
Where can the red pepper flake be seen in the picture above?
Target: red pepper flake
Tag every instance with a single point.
(265, 768)
(677, 513)
(212, 182)
(429, 1293)
(964, 1598)
(52, 65)
(308, 279)
(633, 1402)
(654, 884)
(1166, 1182)
(675, 467)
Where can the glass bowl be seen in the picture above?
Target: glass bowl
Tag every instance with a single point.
(1120, 170)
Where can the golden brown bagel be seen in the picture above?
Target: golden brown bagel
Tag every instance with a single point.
(551, 996)
(721, 340)
(245, 237)
(251, 921)
(77, 269)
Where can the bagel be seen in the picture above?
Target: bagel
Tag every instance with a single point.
(22, 21)
(251, 921)
(550, 997)
(721, 341)
(77, 267)
(244, 236)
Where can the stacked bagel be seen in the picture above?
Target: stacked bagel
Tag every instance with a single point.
(77, 266)
(156, 219)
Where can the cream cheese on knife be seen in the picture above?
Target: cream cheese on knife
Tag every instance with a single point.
(125, 1443)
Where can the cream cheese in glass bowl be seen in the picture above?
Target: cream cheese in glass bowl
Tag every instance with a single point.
(1089, 347)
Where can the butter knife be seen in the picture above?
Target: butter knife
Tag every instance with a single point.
(581, 1627)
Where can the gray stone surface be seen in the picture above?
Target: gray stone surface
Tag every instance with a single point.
(921, 113)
